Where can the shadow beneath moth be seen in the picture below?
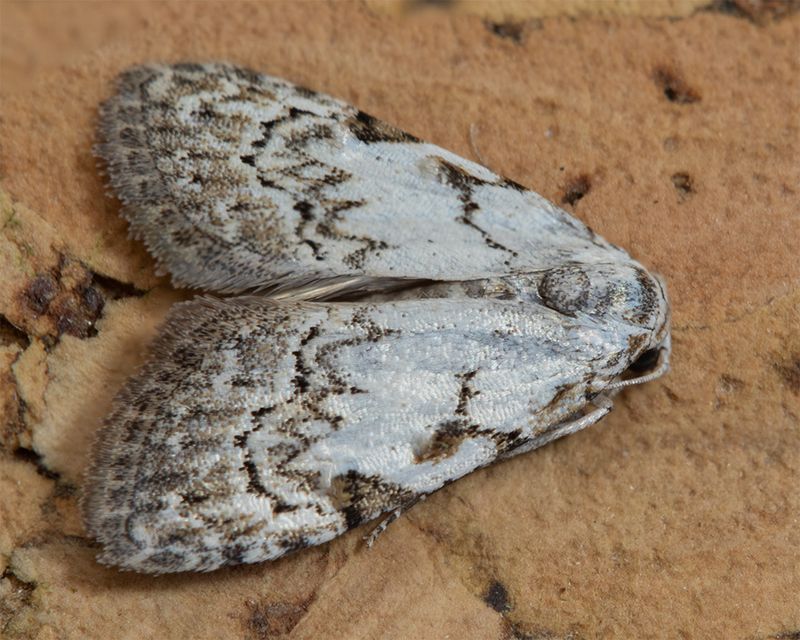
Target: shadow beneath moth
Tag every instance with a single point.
(394, 318)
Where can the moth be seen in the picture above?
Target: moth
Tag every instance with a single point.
(389, 317)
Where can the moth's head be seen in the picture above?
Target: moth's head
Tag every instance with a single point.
(614, 293)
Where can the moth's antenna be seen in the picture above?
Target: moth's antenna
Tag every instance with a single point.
(661, 368)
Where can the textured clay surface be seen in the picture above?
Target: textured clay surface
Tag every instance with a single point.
(674, 134)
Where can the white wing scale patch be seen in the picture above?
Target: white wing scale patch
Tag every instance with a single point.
(238, 181)
(267, 423)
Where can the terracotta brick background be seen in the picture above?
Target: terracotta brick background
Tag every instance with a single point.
(674, 129)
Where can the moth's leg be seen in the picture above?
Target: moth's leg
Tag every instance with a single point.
(473, 136)
(603, 405)
(394, 515)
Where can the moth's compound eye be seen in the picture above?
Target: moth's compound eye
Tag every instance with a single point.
(646, 362)
(613, 291)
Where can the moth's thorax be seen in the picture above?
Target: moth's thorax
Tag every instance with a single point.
(615, 292)
(611, 292)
